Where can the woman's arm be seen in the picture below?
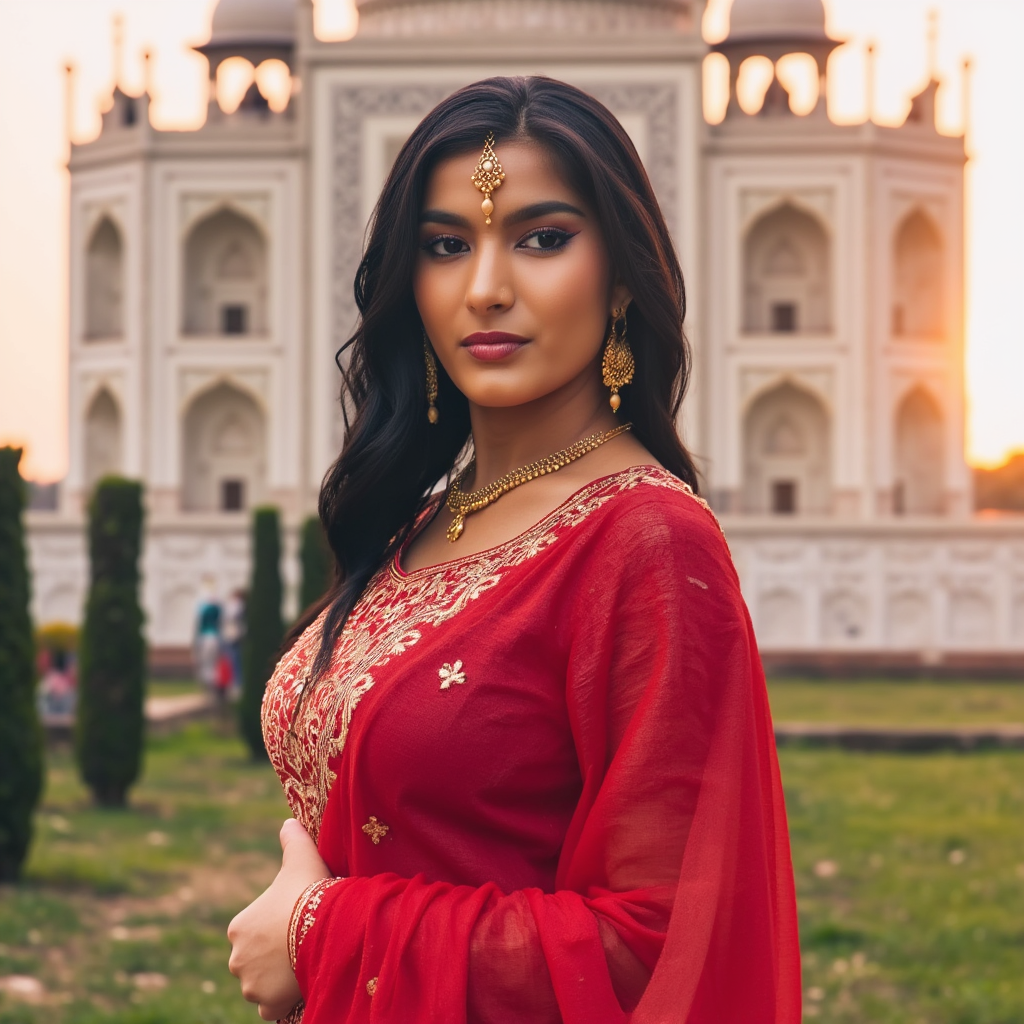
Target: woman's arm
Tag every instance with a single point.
(259, 934)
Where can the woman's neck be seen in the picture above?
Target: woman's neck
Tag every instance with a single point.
(509, 438)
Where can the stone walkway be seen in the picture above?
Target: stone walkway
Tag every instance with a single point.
(162, 714)
(903, 737)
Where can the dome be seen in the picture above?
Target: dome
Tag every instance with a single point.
(253, 22)
(776, 19)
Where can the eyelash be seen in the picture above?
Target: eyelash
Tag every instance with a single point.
(564, 236)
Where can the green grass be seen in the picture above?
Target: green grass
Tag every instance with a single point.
(910, 882)
(110, 896)
(880, 702)
(161, 687)
(921, 920)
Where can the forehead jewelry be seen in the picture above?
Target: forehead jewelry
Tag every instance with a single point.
(488, 176)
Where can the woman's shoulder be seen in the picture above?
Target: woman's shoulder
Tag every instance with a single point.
(650, 499)
(646, 517)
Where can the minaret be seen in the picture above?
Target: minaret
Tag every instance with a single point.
(773, 29)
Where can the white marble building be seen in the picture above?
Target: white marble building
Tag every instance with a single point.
(211, 278)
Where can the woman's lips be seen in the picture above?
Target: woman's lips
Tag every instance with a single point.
(493, 345)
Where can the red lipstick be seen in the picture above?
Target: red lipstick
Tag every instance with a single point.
(493, 345)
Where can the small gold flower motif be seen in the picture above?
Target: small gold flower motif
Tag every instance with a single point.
(451, 674)
(376, 829)
(371, 987)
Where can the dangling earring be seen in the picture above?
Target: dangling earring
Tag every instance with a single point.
(428, 358)
(617, 366)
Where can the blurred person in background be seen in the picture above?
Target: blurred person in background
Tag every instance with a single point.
(232, 635)
(526, 736)
(206, 647)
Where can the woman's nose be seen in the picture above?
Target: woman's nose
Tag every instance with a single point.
(490, 287)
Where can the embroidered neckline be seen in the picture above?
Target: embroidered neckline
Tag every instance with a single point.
(539, 527)
(389, 619)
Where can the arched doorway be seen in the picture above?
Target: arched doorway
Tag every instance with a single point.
(919, 480)
(786, 274)
(918, 295)
(225, 277)
(787, 454)
(102, 438)
(104, 282)
(224, 452)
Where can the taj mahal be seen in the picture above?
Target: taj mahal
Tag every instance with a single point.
(211, 284)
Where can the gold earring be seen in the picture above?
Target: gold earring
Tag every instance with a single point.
(618, 366)
(428, 357)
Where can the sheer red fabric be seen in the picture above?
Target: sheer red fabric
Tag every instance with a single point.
(547, 776)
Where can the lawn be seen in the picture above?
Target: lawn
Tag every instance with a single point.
(910, 881)
(910, 875)
(123, 913)
(907, 702)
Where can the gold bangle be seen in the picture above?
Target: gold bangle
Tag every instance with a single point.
(303, 918)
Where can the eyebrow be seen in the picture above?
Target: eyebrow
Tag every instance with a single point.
(530, 212)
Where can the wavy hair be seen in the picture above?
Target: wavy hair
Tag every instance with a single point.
(391, 461)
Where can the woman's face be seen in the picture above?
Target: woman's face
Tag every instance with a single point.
(515, 310)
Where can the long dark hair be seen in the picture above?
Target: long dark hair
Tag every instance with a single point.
(392, 459)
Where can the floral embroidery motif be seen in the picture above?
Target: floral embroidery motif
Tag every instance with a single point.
(451, 674)
(386, 621)
(376, 829)
(371, 987)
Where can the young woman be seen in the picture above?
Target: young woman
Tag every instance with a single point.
(526, 739)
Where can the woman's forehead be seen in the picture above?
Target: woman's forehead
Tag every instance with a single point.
(530, 172)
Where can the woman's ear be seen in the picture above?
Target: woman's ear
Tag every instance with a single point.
(621, 297)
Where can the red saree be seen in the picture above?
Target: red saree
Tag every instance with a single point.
(546, 780)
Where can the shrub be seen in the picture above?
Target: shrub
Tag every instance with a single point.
(112, 652)
(264, 626)
(317, 561)
(21, 738)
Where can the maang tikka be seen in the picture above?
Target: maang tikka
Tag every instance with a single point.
(618, 366)
(488, 176)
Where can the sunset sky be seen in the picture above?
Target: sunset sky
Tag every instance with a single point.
(42, 35)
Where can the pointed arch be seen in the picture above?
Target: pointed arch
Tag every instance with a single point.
(104, 281)
(103, 438)
(787, 465)
(787, 280)
(919, 478)
(223, 451)
(918, 278)
(225, 276)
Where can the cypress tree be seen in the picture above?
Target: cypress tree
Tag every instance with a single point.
(21, 736)
(264, 631)
(112, 651)
(317, 561)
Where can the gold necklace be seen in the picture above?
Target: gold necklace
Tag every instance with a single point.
(464, 504)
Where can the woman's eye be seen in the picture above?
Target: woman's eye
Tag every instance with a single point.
(446, 245)
(546, 239)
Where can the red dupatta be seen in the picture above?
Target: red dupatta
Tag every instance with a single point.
(586, 827)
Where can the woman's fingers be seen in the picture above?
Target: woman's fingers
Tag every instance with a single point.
(299, 852)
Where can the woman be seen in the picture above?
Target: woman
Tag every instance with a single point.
(526, 739)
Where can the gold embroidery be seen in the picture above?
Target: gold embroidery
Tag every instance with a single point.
(304, 915)
(696, 582)
(371, 987)
(451, 674)
(385, 623)
(376, 829)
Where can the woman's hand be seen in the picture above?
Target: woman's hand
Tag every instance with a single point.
(259, 934)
